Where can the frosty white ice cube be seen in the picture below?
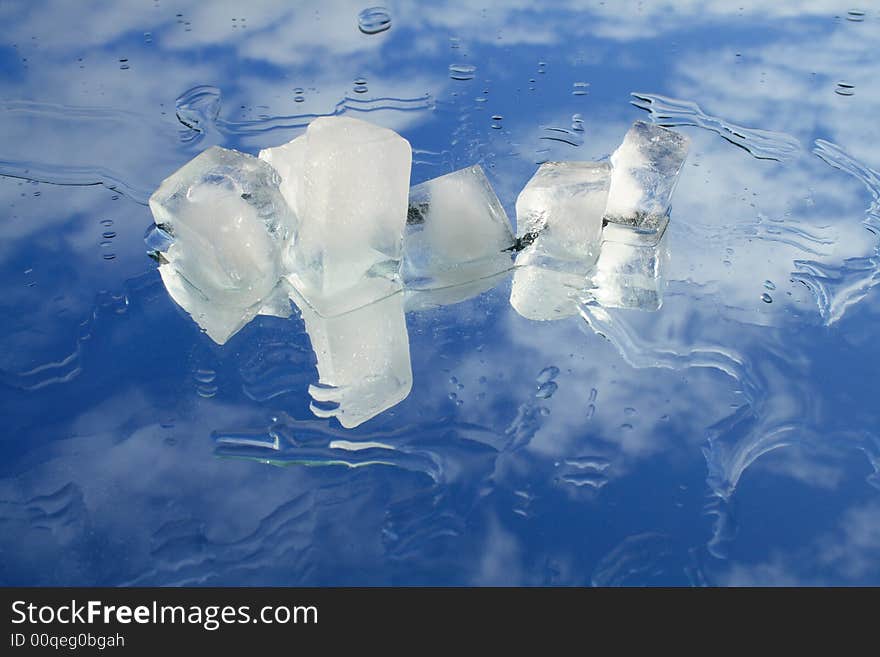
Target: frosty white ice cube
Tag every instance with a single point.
(456, 232)
(630, 272)
(227, 225)
(646, 168)
(363, 360)
(560, 210)
(348, 181)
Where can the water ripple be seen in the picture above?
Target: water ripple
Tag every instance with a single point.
(838, 287)
(761, 144)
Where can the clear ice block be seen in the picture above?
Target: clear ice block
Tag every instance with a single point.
(456, 232)
(545, 291)
(363, 360)
(646, 168)
(226, 225)
(288, 160)
(630, 272)
(349, 184)
(559, 211)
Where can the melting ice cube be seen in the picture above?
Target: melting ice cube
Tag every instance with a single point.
(363, 360)
(456, 232)
(646, 168)
(348, 181)
(227, 225)
(546, 293)
(631, 272)
(560, 210)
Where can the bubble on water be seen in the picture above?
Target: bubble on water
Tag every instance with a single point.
(580, 88)
(844, 88)
(766, 298)
(462, 71)
(855, 15)
(546, 390)
(374, 20)
(769, 285)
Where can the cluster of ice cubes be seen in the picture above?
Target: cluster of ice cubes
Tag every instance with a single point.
(598, 228)
(329, 222)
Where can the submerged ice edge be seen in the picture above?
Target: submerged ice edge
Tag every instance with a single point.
(838, 288)
(761, 144)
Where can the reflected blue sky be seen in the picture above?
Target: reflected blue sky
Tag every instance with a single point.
(722, 440)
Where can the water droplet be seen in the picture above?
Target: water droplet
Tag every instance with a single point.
(360, 85)
(374, 20)
(547, 374)
(766, 298)
(496, 121)
(483, 380)
(453, 396)
(579, 88)
(591, 411)
(542, 67)
(546, 390)
(148, 37)
(629, 411)
(462, 71)
(109, 256)
(298, 95)
(855, 15)
(107, 222)
(543, 410)
(577, 122)
(454, 42)
(769, 285)
(123, 64)
(593, 394)
(844, 89)
(108, 234)
(453, 380)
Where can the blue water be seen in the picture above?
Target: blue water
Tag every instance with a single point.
(731, 438)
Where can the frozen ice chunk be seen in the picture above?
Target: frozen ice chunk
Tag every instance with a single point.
(631, 272)
(287, 160)
(547, 290)
(456, 232)
(646, 168)
(348, 181)
(363, 360)
(226, 225)
(559, 212)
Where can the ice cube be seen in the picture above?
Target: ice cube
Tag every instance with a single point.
(546, 289)
(630, 272)
(559, 211)
(288, 160)
(456, 232)
(348, 181)
(363, 360)
(226, 225)
(646, 168)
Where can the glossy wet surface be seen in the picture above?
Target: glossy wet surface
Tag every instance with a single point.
(728, 438)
